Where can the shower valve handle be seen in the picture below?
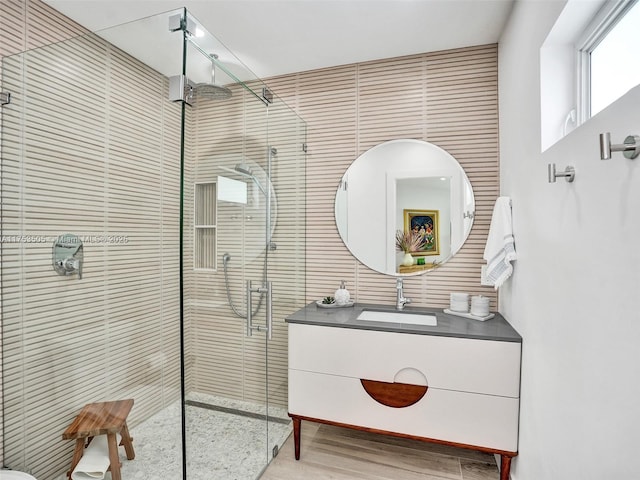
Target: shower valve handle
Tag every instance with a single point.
(70, 266)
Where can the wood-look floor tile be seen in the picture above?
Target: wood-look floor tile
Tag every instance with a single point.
(334, 453)
(423, 446)
(474, 470)
(409, 456)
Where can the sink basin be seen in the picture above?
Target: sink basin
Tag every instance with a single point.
(411, 318)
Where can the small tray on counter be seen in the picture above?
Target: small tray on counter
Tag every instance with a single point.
(468, 315)
(334, 305)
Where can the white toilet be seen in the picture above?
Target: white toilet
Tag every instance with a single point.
(15, 475)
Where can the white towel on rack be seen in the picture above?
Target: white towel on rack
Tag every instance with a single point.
(500, 249)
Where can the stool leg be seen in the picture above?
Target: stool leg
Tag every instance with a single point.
(113, 456)
(126, 442)
(77, 455)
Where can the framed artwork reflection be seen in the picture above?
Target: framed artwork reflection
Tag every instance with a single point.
(425, 224)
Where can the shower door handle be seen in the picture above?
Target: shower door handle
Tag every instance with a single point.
(269, 310)
(249, 309)
(265, 288)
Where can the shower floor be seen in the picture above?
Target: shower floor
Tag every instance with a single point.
(225, 441)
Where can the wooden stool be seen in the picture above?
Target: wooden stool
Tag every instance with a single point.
(104, 418)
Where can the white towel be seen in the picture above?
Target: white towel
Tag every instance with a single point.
(95, 460)
(500, 249)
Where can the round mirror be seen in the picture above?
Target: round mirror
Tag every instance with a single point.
(242, 203)
(407, 193)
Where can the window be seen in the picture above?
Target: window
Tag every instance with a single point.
(603, 35)
(608, 57)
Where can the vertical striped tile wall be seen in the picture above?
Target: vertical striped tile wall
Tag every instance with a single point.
(28, 24)
(449, 98)
(79, 157)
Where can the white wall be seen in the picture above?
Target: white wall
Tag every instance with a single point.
(574, 293)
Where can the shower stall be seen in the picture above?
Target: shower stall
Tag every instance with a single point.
(181, 176)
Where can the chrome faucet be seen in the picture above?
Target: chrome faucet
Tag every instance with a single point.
(401, 300)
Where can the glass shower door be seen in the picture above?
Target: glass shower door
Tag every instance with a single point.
(247, 144)
(286, 257)
(227, 160)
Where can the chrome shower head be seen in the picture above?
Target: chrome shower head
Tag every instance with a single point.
(211, 91)
(244, 169)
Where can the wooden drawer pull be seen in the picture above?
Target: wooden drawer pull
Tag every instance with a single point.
(396, 395)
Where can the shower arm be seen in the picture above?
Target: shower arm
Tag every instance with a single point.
(214, 57)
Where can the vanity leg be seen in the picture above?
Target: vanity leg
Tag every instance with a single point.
(296, 436)
(505, 467)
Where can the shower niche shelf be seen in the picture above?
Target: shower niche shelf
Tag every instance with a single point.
(204, 225)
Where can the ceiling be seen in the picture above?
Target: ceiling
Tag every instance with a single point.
(274, 37)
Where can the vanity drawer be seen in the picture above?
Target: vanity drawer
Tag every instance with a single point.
(449, 363)
(468, 418)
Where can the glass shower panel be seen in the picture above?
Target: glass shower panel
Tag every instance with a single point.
(238, 134)
(286, 260)
(225, 398)
(91, 147)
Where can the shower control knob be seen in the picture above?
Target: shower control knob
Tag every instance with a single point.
(70, 264)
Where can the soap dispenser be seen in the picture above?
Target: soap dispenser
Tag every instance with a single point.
(342, 295)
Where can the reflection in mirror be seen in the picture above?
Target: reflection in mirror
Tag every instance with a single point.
(230, 190)
(242, 199)
(404, 186)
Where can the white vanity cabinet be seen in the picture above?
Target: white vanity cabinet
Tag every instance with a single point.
(462, 390)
